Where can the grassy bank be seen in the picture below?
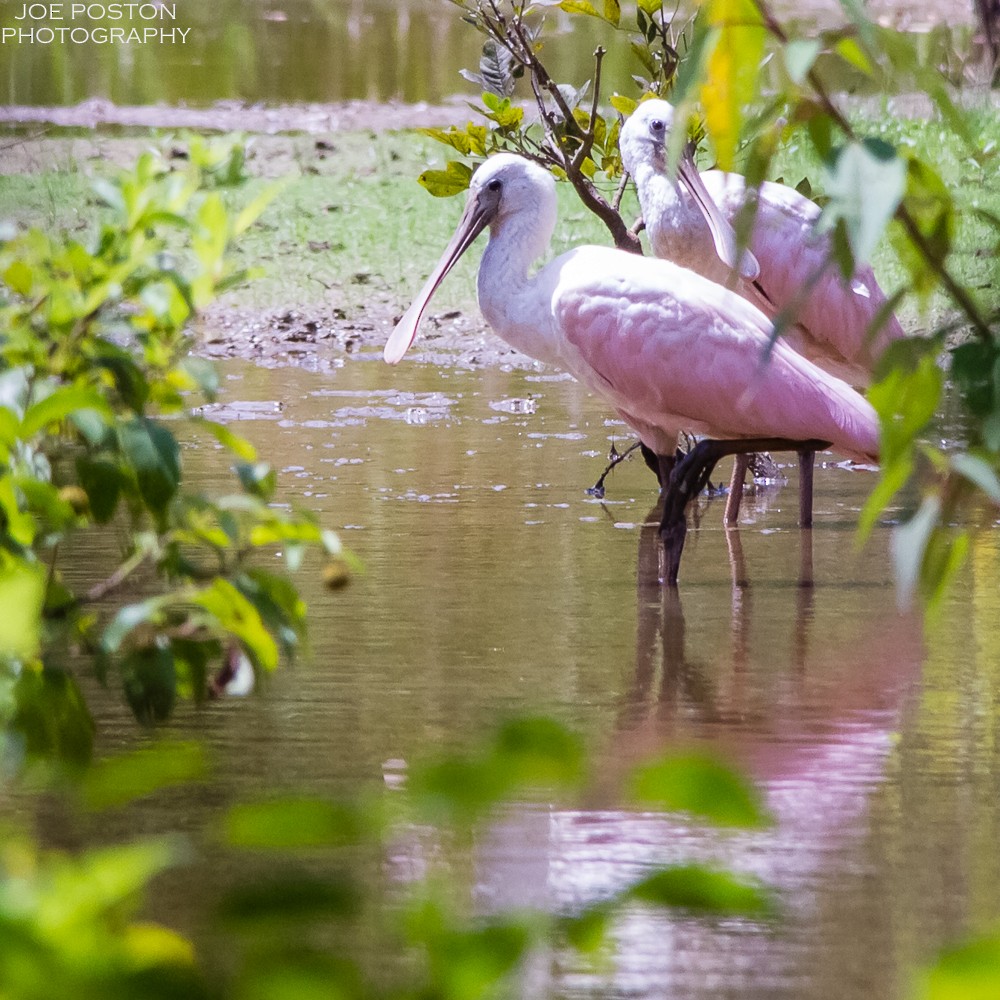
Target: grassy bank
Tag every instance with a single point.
(350, 229)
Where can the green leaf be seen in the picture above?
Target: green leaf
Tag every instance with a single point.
(703, 890)
(22, 594)
(444, 183)
(237, 616)
(579, 7)
(290, 900)
(979, 472)
(865, 182)
(20, 278)
(623, 105)
(102, 480)
(968, 971)
(851, 52)
(128, 619)
(253, 210)
(154, 455)
(909, 547)
(105, 881)
(733, 73)
(150, 683)
(800, 56)
(295, 824)
(702, 786)
(115, 781)
(238, 445)
(51, 717)
(651, 6)
(59, 405)
(258, 479)
(539, 752)
(204, 374)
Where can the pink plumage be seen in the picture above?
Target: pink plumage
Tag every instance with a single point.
(669, 349)
(690, 221)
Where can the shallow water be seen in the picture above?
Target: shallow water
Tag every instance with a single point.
(494, 586)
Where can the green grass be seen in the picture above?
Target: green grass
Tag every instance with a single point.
(351, 228)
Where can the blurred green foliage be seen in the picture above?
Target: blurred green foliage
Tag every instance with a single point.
(96, 382)
(70, 924)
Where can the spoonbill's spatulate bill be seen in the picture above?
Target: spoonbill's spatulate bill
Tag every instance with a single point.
(668, 349)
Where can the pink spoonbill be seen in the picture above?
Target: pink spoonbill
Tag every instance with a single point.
(787, 267)
(668, 349)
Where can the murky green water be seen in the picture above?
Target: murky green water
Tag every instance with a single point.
(279, 51)
(494, 586)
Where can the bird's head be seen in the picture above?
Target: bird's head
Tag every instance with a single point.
(503, 187)
(643, 143)
(644, 136)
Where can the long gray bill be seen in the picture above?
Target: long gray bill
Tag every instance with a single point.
(475, 218)
(726, 244)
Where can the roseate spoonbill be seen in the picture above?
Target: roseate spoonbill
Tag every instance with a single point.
(668, 349)
(787, 267)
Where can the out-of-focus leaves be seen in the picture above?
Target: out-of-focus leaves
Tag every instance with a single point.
(300, 974)
(608, 10)
(115, 781)
(51, 717)
(150, 683)
(525, 754)
(978, 471)
(799, 56)
(929, 204)
(465, 962)
(59, 405)
(703, 890)
(258, 479)
(733, 72)
(539, 752)
(967, 971)
(909, 547)
(154, 455)
(702, 786)
(102, 480)
(289, 900)
(238, 445)
(295, 823)
(22, 594)
(587, 932)
(235, 615)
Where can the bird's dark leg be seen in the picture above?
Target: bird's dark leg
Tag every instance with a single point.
(807, 459)
(689, 477)
(660, 465)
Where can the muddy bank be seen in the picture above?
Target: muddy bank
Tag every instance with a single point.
(236, 116)
(321, 337)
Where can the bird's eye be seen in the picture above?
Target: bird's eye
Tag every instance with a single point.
(656, 125)
(494, 185)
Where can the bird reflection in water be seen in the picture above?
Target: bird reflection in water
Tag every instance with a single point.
(814, 731)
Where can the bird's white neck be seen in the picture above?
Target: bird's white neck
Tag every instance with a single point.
(672, 218)
(513, 302)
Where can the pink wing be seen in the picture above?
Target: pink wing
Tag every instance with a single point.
(836, 312)
(672, 350)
